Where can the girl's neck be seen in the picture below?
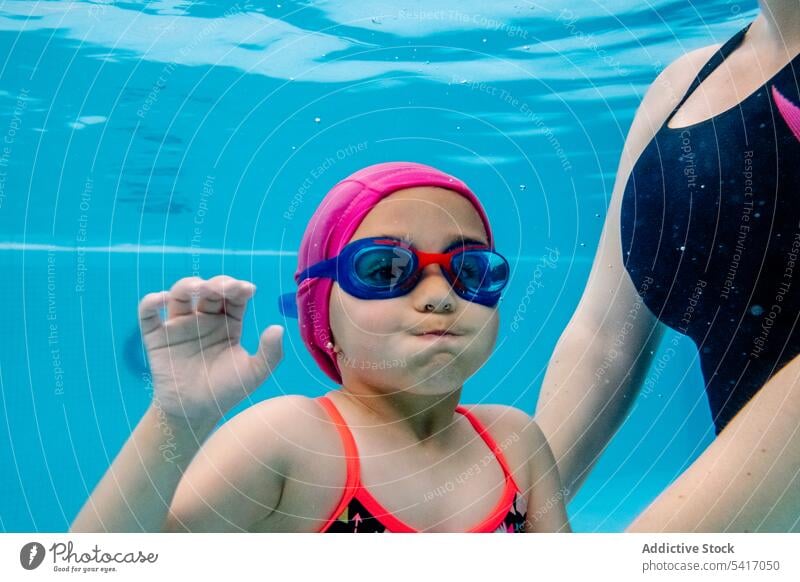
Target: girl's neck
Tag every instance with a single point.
(425, 419)
(777, 26)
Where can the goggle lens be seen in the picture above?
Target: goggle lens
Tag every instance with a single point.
(383, 267)
(480, 271)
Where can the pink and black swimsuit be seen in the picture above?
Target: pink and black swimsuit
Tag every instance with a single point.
(359, 512)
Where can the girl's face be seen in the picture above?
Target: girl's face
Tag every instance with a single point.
(380, 338)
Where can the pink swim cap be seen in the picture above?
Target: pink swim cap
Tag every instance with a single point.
(330, 228)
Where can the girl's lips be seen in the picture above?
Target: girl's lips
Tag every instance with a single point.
(439, 336)
(440, 331)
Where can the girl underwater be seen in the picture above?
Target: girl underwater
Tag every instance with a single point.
(397, 264)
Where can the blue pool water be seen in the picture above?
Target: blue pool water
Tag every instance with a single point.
(144, 143)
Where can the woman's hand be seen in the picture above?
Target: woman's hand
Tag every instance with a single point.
(199, 368)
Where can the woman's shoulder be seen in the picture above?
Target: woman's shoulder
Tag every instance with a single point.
(661, 98)
(668, 88)
(691, 61)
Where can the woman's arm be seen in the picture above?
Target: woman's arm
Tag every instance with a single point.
(748, 479)
(602, 356)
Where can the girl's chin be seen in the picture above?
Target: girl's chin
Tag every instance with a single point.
(427, 373)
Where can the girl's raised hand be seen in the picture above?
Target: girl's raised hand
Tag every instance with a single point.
(199, 368)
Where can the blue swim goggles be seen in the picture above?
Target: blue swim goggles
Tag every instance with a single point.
(386, 267)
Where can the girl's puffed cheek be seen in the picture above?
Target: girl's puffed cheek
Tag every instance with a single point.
(356, 321)
(367, 316)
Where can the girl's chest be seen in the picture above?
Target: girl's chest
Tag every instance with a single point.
(452, 490)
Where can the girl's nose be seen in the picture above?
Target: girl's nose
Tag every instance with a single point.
(434, 289)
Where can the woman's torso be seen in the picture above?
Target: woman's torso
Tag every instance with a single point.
(710, 232)
(423, 491)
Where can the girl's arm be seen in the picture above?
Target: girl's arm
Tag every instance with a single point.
(135, 493)
(200, 371)
(546, 497)
(231, 484)
(606, 349)
(749, 477)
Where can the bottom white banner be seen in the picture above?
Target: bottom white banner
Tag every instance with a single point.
(408, 557)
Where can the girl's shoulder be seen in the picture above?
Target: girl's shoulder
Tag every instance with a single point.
(508, 423)
(516, 434)
(291, 436)
(499, 417)
(289, 430)
(298, 423)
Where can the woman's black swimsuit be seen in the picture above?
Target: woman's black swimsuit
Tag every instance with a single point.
(710, 231)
